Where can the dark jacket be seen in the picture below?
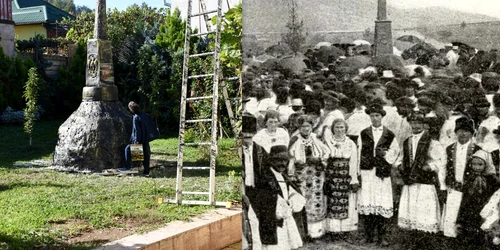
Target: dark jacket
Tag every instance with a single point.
(450, 164)
(368, 161)
(140, 133)
(268, 190)
(412, 169)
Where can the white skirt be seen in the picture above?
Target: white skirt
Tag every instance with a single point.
(348, 224)
(419, 208)
(375, 195)
(450, 213)
(288, 237)
(254, 228)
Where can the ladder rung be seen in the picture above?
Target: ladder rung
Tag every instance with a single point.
(203, 34)
(197, 143)
(195, 168)
(200, 193)
(232, 78)
(188, 202)
(200, 76)
(203, 13)
(199, 120)
(199, 98)
(202, 54)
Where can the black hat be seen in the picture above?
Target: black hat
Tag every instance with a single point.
(249, 123)
(465, 124)
(426, 101)
(404, 101)
(481, 102)
(375, 107)
(416, 116)
(279, 152)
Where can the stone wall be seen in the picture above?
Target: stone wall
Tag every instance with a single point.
(8, 35)
(56, 61)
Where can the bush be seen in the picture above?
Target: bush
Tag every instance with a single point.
(12, 117)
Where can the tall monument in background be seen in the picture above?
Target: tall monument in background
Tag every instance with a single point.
(7, 28)
(383, 31)
(95, 135)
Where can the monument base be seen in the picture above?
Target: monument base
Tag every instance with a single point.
(383, 38)
(93, 137)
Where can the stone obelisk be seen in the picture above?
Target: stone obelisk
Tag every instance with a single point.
(95, 135)
(383, 31)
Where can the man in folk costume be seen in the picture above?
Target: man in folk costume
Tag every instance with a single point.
(405, 107)
(251, 165)
(278, 200)
(423, 166)
(485, 136)
(379, 151)
(458, 154)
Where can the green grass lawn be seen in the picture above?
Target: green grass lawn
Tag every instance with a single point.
(45, 209)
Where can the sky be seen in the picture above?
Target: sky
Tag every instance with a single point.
(486, 7)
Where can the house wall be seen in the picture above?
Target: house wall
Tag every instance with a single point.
(7, 42)
(25, 32)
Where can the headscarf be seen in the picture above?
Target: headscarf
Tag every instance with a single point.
(475, 181)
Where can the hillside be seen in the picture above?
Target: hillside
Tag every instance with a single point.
(345, 15)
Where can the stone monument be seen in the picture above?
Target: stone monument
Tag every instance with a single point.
(383, 31)
(95, 135)
(7, 33)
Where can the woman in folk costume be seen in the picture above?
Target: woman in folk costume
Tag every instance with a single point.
(342, 183)
(495, 154)
(422, 168)
(278, 200)
(480, 183)
(491, 218)
(379, 152)
(309, 156)
(331, 111)
(271, 135)
(457, 155)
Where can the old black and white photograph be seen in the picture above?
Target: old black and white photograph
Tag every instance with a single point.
(371, 124)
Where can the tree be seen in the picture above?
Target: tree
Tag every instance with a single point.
(31, 90)
(231, 35)
(293, 37)
(66, 5)
(368, 34)
(81, 9)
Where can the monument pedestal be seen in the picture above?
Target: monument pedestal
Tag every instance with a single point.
(94, 137)
(383, 38)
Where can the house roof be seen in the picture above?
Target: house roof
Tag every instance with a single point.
(36, 11)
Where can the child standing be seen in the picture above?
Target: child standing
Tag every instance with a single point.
(480, 183)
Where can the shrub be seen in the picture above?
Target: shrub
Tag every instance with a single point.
(12, 117)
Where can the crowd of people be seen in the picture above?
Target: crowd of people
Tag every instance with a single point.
(326, 152)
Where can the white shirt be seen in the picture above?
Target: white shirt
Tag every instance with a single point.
(249, 174)
(414, 140)
(377, 133)
(461, 161)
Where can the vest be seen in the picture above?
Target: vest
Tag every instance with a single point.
(450, 164)
(412, 169)
(368, 161)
